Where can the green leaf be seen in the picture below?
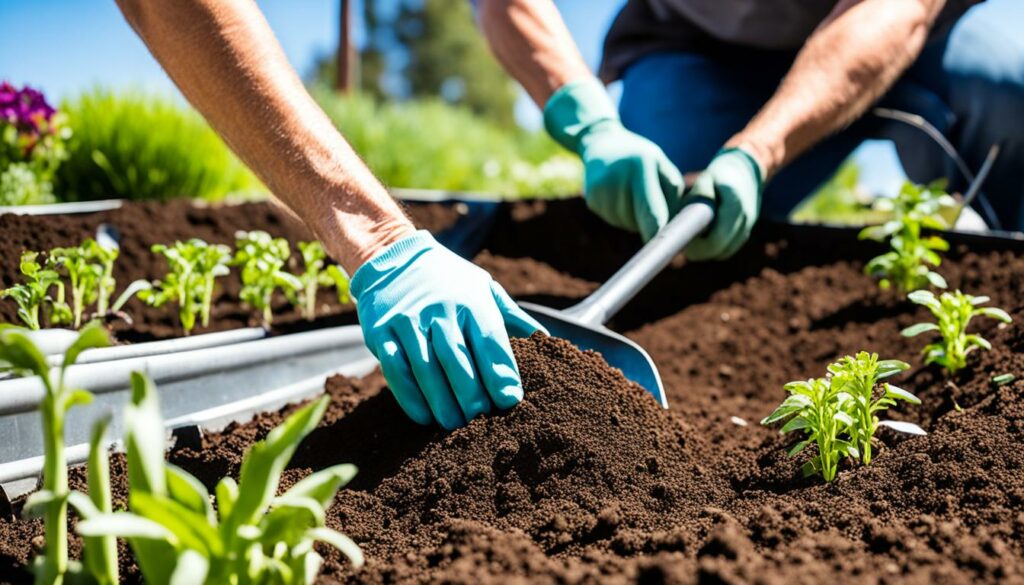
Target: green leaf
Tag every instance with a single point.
(888, 368)
(76, 397)
(323, 485)
(91, 336)
(289, 520)
(843, 418)
(227, 495)
(898, 393)
(39, 502)
(263, 464)
(191, 530)
(994, 313)
(918, 329)
(145, 438)
(1003, 379)
(125, 525)
(795, 424)
(926, 298)
(188, 491)
(798, 447)
(344, 544)
(18, 350)
(191, 569)
(936, 279)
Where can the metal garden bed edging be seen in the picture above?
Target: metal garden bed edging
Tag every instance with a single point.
(189, 382)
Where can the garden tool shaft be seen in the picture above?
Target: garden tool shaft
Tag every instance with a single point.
(583, 323)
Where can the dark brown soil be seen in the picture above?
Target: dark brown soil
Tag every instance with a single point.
(143, 224)
(589, 481)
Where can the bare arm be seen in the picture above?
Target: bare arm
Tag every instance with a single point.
(225, 59)
(853, 57)
(532, 43)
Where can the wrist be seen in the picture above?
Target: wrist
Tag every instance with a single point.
(767, 157)
(353, 234)
(577, 108)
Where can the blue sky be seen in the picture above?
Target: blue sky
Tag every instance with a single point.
(65, 46)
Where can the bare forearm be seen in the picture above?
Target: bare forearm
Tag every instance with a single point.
(225, 59)
(848, 63)
(531, 41)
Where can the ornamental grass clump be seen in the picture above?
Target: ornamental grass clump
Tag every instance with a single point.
(317, 274)
(907, 265)
(17, 352)
(246, 534)
(953, 312)
(193, 268)
(34, 293)
(262, 258)
(839, 413)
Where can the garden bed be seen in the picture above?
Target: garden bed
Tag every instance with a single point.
(589, 480)
(143, 224)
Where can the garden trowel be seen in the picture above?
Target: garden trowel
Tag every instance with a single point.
(583, 323)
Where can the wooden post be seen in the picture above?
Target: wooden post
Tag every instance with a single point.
(346, 57)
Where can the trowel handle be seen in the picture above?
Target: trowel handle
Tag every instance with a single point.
(634, 275)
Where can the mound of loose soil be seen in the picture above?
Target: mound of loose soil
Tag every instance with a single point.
(588, 481)
(143, 224)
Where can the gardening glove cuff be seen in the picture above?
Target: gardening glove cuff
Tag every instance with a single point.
(733, 183)
(394, 256)
(575, 109)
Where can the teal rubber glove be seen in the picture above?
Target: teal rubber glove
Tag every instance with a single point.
(439, 327)
(628, 180)
(733, 182)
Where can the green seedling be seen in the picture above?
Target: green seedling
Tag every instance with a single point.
(953, 313)
(32, 294)
(51, 502)
(817, 408)
(262, 258)
(246, 534)
(193, 269)
(85, 272)
(1003, 380)
(315, 276)
(855, 377)
(907, 264)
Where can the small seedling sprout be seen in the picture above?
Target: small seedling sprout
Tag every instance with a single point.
(953, 312)
(815, 407)
(317, 275)
(855, 377)
(51, 502)
(906, 265)
(262, 258)
(85, 273)
(33, 294)
(193, 269)
(246, 534)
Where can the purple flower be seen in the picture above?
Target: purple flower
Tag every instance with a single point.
(26, 108)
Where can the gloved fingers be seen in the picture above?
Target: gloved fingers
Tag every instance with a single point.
(518, 323)
(401, 381)
(673, 184)
(650, 207)
(492, 353)
(453, 354)
(429, 375)
(740, 229)
(606, 195)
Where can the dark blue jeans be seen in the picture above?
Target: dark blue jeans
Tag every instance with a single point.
(968, 83)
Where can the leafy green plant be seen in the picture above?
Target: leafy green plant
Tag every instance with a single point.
(84, 274)
(138, 146)
(262, 258)
(816, 407)
(315, 276)
(906, 265)
(250, 536)
(856, 377)
(953, 313)
(193, 269)
(51, 502)
(35, 292)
